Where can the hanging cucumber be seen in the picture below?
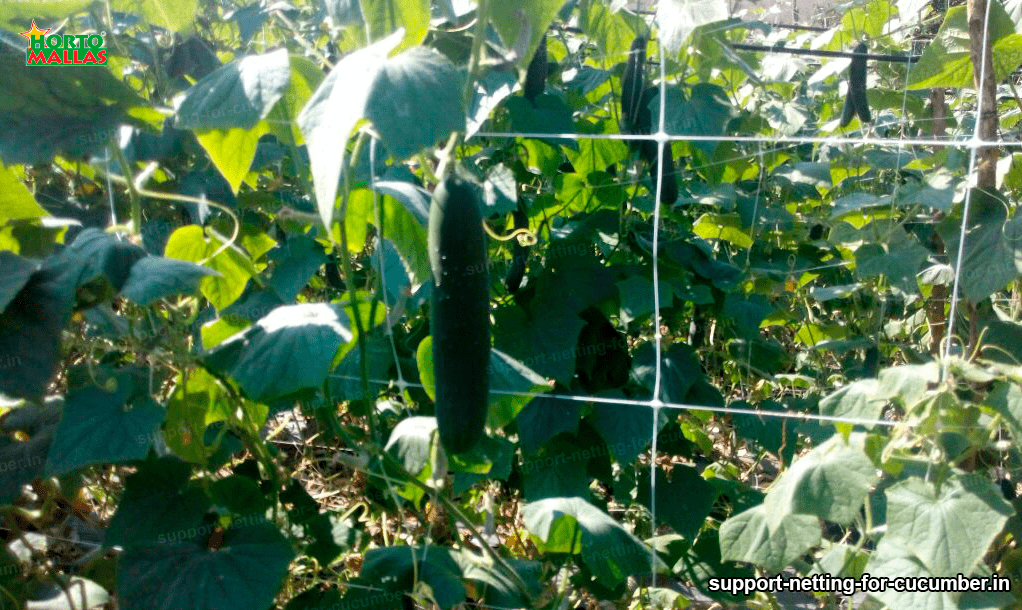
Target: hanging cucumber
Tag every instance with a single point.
(535, 76)
(633, 83)
(460, 322)
(855, 100)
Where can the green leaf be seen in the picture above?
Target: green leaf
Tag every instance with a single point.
(522, 23)
(408, 235)
(726, 227)
(627, 429)
(946, 61)
(509, 379)
(992, 255)
(499, 590)
(366, 84)
(395, 569)
(683, 502)
(899, 261)
(637, 297)
(749, 536)
(412, 442)
(232, 151)
(15, 272)
(572, 525)
(95, 256)
(948, 529)
(30, 333)
(251, 563)
(16, 202)
(159, 505)
(296, 262)
(544, 418)
(155, 277)
(908, 383)
(288, 350)
(191, 407)
(559, 469)
(856, 400)
(892, 560)
(305, 77)
(237, 95)
(677, 18)
(679, 367)
(383, 17)
(706, 111)
(1006, 399)
(550, 114)
(172, 15)
(418, 74)
(189, 243)
(830, 482)
(81, 106)
(101, 427)
(611, 31)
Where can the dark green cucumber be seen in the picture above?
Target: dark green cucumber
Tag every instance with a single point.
(460, 314)
(535, 76)
(855, 101)
(633, 83)
(519, 253)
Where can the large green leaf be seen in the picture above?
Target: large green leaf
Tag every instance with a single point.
(172, 15)
(105, 427)
(522, 23)
(683, 502)
(572, 525)
(368, 85)
(830, 482)
(544, 418)
(16, 202)
(80, 107)
(289, 349)
(296, 262)
(856, 400)
(899, 261)
(992, 255)
(189, 243)
(395, 569)
(232, 151)
(705, 111)
(748, 536)
(946, 60)
(15, 272)
(246, 571)
(559, 469)
(159, 505)
(512, 386)
(237, 95)
(154, 277)
(948, 529)
(30, 333)
(383, 17)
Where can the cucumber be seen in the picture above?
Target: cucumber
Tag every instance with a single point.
(633, 83)
(460, 314)
(535, 76)
(855, 101)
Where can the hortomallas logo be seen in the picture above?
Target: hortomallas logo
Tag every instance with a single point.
(63, 49)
